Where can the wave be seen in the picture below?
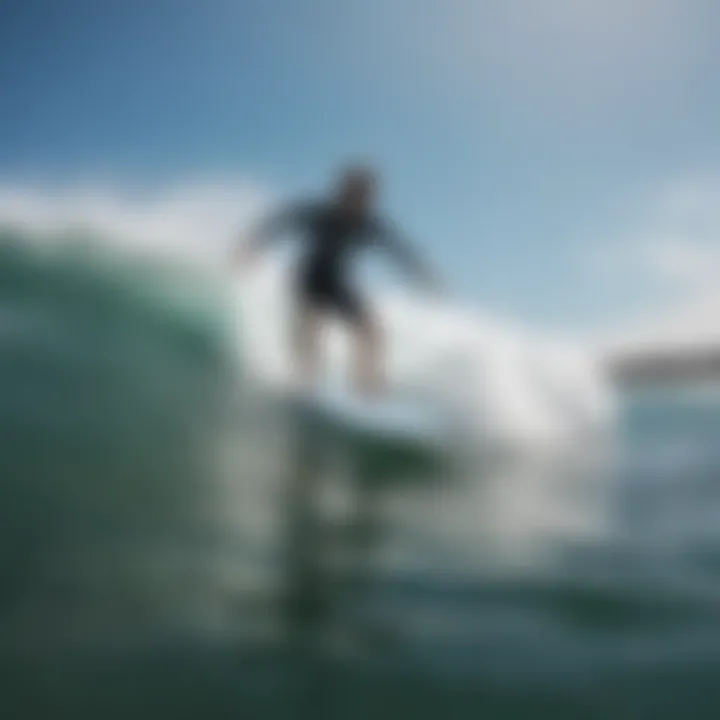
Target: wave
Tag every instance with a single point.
(144, 476)
(140, 451)
(487, 378)
(112, 402)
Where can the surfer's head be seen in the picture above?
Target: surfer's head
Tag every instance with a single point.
(356, 187)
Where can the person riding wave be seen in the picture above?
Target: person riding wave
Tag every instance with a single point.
(333, 231)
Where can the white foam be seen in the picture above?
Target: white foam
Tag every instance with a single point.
(498, 382)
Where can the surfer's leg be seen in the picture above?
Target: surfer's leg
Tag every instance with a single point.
(368, 361)
(305, 346)
(368, 357)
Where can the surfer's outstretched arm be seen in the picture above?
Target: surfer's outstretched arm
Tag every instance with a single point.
(267, 230)
(389, 237)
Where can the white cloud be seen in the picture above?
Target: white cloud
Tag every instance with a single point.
(678, 263)
(679, 240)
(673, 244)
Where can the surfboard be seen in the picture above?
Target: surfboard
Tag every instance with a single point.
(388, 415)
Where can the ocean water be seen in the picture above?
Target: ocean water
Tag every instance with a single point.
(176, 542)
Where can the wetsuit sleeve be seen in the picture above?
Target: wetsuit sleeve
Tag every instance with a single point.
(271, 227)
(389, 237)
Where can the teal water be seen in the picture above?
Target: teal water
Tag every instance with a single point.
(148, 530)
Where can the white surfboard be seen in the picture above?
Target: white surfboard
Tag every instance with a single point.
(390, 414)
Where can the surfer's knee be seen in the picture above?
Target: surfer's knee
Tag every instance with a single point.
(368, 333)
(368, 376)
(305, 331)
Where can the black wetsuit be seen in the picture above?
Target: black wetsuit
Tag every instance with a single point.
(331, 238)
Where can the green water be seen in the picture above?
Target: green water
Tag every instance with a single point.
(140, 481)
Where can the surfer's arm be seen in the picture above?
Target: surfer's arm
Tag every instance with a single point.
(392, 240)
(267, 230)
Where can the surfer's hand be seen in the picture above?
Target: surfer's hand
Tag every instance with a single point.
(244, 257)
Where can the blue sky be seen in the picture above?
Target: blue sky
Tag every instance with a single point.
(518, 139)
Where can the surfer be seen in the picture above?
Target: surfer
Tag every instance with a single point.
(333, 230)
